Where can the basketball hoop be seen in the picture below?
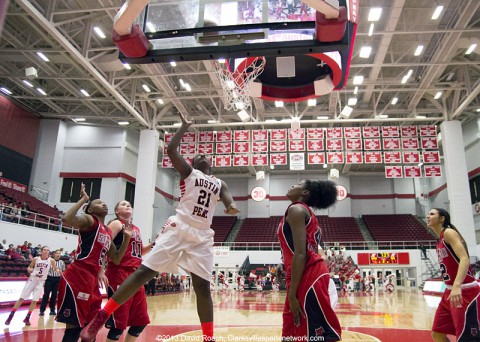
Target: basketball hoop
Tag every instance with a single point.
(236, 84)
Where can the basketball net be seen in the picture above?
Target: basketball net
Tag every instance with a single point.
(236, 84)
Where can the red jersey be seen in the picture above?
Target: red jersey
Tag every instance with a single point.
(448, 263)
(93, 246)
(133, 255)
(312, 229)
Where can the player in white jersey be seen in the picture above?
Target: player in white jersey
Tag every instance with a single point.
(186, 239)
(38, 269)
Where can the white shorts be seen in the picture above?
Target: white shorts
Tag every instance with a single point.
(34, 287)
(180, 244)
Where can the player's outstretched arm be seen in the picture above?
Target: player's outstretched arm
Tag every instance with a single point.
(329, 8)
(227, 199)
(131, 9)
(178, 162)
(80, 221)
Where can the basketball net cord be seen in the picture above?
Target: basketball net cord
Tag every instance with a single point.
(236, 84)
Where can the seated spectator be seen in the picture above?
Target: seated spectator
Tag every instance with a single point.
(17, 255)
(10, 249)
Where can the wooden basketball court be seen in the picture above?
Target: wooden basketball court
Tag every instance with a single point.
(404, 315)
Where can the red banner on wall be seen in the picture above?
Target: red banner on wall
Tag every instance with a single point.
(334, 157)
(205, 136)
(432, 170)
(413, 171)
(334, 132)
(241, 146)
(431, 157)
(278, 146)
(409, 131)
(278, 134)
(412, 157)
(371, 132)
(393, 172)
(259, 134)
(371, 144)
(241, 135)
(391, 143)
(316, 158)
(224, 136)
(224, 148)
(278, 159)
(373, 157)
(12, 185)
(223, 160)
(428, 130)
(189, 137)
(390, 131)
(315, 145)
(315, 133)
(296, 145)
(353, 144)
(298, 133)
(189, 148)
(260, 146)
(241, 160)
(354, 157)
(429, 143)
(352, 132)
(205, 148)
(334, 144)
(259, 159)
(393, 157)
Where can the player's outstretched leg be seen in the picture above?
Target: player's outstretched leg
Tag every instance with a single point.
(128, 288)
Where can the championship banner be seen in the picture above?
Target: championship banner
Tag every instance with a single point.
(353, 144)
(430, 143)
(7, 183)
(410, 143)
(241, 146)
(205, 148)
(166, 162)
(260, 146)
(352, 132)
(334, 132)
(298, 133)
(278, 134)
(334, 157)
(259, 159)
(223, 160)
(241, 160)
(390, 132)
(391, 143)
(189, 148)
(168, 137)
(373, 157)
(297, 161)
(412, 171)
(430, 157)
(394, 157)
(223, 148)
(411, 157)
(242, 135)
(278, 159)
(296, 145)
(334, 144)
(224, 136)
(409, 131)
(205, 137)
(259, 134)
(189, 137)
(316, 158)
(393, 172)
(278, 146)
(315, 145)
(371, 132)
(315, 133)
(371, 144)
(354, 157)
(165, 147)
(428, 131)
(432, 170)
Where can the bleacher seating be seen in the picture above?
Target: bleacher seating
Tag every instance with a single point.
(222, 225)
(396, 228)
(259, 230)
(34, 204)
(339, 229)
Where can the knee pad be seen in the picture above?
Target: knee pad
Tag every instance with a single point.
(114, 334)
(72, 334)
(136, 330)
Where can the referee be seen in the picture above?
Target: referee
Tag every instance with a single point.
(51, 285)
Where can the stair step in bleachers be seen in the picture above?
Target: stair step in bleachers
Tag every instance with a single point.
(222, 225)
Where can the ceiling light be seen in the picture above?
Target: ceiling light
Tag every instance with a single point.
(352, 101)
(355, 91)
(28, 83)
(410, 72)
(6, 91)
(127, 66)
(123, 123)
(278, 104)
(421, 117)
(382, 116)
(187, 87)
(311, 102)
(42, 56)
(322, 117)
(478, 110)
(146, 88)
(151, 27)
(270, 120)
(365, 51)
(84, 92)
(394, 100)
(40, 90)
(181, 82)
(374, 14)
(286, 120)
(99, 32)
(173, 63)
(79, 119)
(470, 49)
(243, 115)
(437, 12)
(418, 50)
(212, 121)
(346, 111)
(272, 167)
(370, 30)
(325, 166)
(404, 79)
(176, 124)
(357, 80)
(450, 76)
(160, 101)
(221, 60)
(438, 95)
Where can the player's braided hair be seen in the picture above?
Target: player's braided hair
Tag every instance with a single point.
(448, 224)
(323, 193)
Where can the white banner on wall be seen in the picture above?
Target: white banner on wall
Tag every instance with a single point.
(297, 161)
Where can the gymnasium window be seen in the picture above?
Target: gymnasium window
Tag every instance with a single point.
(130, 193)
(71, 188)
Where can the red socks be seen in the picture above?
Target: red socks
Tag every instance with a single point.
(207, 330)
(111, 306)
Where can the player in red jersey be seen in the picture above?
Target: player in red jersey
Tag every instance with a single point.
(186, 239)
(307, 315)
(128, 315)
(459, 309)
(79, 296)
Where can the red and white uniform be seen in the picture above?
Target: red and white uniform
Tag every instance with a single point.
(134, 311)
(79, 297)
(35, 282)
(186, 239)
(462, 321)
(320, 319)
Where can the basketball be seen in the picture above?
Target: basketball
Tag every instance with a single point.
(206, 23)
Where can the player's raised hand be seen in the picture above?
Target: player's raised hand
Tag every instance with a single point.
(185, 123)
(83, 193)
(231, 210)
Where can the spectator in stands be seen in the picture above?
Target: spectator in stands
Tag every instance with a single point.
(7, 212)
(306, 273)
(17, 255)
(24, 246)
(10, 250)
(186, 239)
(462, 290)
(151, 285)
(3, 245)
(51, 285)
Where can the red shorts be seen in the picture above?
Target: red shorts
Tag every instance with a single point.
(79, 297)
(134, 311)
(320, 322)
(462, 322)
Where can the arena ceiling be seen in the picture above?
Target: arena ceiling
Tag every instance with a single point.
(78, 59)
